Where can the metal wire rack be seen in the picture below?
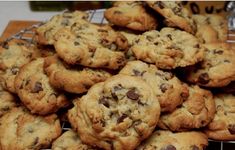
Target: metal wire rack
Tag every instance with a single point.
(96, 16)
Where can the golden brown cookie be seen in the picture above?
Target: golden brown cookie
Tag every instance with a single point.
(222, 126)
(196, 112)
(168, 49)
(33, 88)
(116, 114)
(167, 140)
(169, 90)
(217, 69)
(91, 45)
(176, 15)
(13, 55)
(21, 130)
(130, 14)
(74, 79)
(46, 32)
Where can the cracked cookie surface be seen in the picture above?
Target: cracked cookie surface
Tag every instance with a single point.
(167, 140)
(91, 45)
(116, 114)
(130, 14)
(23, 131)
(176, 15)
(222, 126)
(169, 90)
(168, 49)
(196, 112)
(218, 57)
(47, 31)
(33, 88)
(13, 55)
(74, 79)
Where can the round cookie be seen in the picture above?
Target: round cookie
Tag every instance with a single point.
(13, 55)
(91, 45)
(168, 49)
(21, 130)
(169, 90)
(70, 140)
(167, 140)
(72, 79)
(46, 32)
(116, 114)
(130, 14)
(216, 28)
(176, 15)
(33, 88)
(196, 112)
(7, 102)
(218, 57)
(222, 126)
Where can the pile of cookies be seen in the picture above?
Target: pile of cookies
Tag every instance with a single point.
(154, 78)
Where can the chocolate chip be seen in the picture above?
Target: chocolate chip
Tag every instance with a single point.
(114, 96)
(5, 45)
(118, 87)
(227, 61)
(121, 118)
(164, 87)
(14, 70)
(149, 38)
(76, 43)
(169, 147)
(231, 128)
(155, 43)
(136, 72)
(204, 78)
(132, 95)
(104, 101)
(102, 30)
(159, 4)
(117, 12)
(194, 147)
(169, 36)
(216, 51)
(37, 87)
(196, 46)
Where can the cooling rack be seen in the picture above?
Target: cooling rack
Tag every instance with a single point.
(96, 16)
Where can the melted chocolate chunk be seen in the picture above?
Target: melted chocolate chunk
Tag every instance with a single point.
(204, 78)
(37, 87)
(117, 12)
(169, 147)
(196, 46)
(169, 36)
(114, 96)
(104, 101)
(121, 118)
(136, 72)
(76, 43)
(132, 95)
(164, 87)
(216, 51)
(14, 70)
(231, 128)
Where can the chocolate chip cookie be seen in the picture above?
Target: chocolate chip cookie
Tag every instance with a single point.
(196, 112)
(222, 126)
(168, 49)
(70, 140)
(116, 114)
(33, 88)
(13, 55)
(74, 79)
(130, 14)
(167, 140)
(169, 90)
(46, 32)
(216, 28)
(217, 69)
(21, 130)
(176, 15)
(7, 101)
(91, 45)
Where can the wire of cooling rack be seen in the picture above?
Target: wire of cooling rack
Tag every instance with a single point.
(97, 16)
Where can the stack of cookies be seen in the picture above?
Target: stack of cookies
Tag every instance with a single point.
(154, 78)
